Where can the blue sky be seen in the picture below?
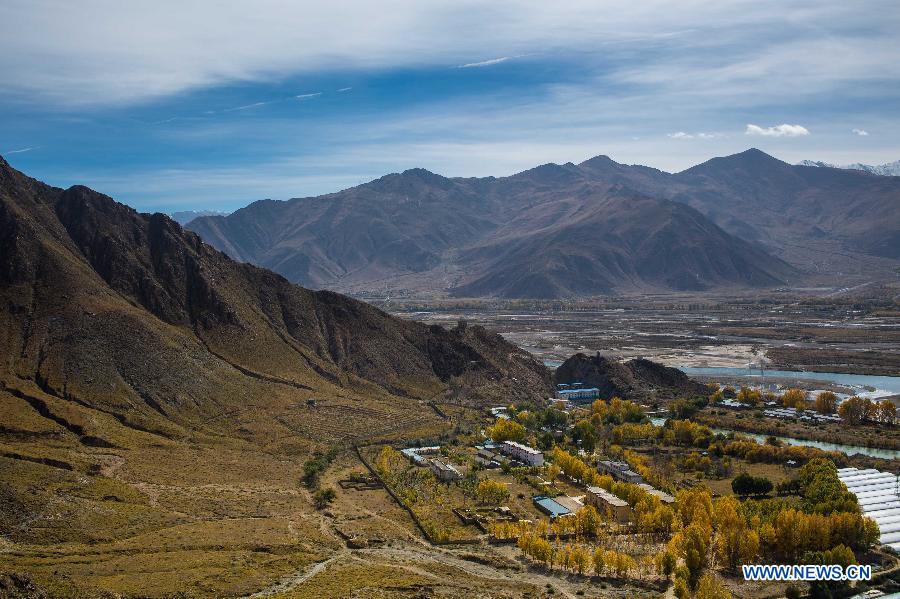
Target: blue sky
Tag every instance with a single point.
(196, 105)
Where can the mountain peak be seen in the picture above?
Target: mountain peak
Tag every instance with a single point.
(600, 159)
(551, 173)
(420, 172)
(752, 160)
(413, 177)
(755, 154)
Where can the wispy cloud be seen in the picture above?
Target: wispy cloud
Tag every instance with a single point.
(308, 96)
(246, 106)
(484, 63)
(21, 150)
(860, 132)
(783, 130)
(344, 89)
(114, 61)
(700, 135)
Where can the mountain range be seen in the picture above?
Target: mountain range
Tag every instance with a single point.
(599, 227)
(137, 323)
(888, 169)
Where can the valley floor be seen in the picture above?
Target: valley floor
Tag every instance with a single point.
(787, 330)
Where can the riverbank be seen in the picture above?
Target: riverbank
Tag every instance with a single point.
(864, 385)
(875, 437)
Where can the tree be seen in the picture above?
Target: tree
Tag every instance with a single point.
(826, 402)
(749, 396)
(624, 564)
(682, 588)
(823, 492)
(665, 563)
(711, 587)
(584, 431)
(887, 412)
(314, 467)
(854, 410)
(599, 561)
(692, 544)
(491, 492)
(323, 497)
(551, 471)
(736, 544)
(588, 520)
(581, 559)
(695, 507)
(564, 557)
(789, 487)
(794, 398)
(506, 430)
(839, 555)
(745, 484)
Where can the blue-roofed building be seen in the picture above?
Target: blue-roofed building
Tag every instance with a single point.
(579, 394)
(551, 507)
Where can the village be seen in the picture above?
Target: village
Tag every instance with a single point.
(612, 490)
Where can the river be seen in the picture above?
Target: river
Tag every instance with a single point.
(887, 454)
(863, 383)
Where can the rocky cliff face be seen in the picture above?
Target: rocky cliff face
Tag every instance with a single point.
(636, 379)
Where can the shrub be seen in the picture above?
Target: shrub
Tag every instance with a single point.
(323, 497)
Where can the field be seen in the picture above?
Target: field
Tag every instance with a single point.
(219, 510)
(843, 333)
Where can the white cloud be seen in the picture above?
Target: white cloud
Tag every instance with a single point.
(20, 151)
(107, 52)
(784, 130)
(307, 96)
(700, 135)
(483, 63)
(344, 89)
(860, 132)
(246, 106)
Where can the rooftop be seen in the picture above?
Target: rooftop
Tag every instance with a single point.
(521, 447)
(607, 496)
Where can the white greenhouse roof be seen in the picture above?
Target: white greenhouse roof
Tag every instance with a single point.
(878, 499)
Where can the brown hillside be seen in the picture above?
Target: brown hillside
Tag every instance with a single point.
(158, 400)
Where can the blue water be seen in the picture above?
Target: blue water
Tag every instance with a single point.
(887, 454)
(885, 385)
(890, 385)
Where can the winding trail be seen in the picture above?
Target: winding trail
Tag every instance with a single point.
(295, 580)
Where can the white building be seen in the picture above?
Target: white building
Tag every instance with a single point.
(661, 495)
(445, 471)
(417, 454)
(523, 453)
(619, 471)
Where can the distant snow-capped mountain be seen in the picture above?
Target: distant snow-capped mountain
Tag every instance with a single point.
(890, 169)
